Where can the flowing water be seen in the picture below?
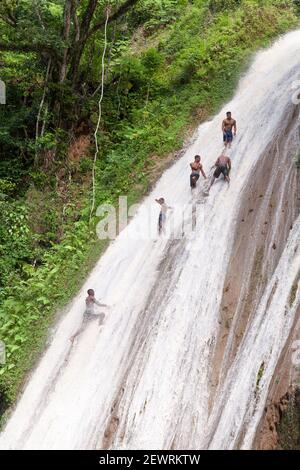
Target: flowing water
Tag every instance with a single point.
(141, 380)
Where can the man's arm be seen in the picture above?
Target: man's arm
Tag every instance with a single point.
(99, 303)
(203, 172)
(229, 165)
(223, 126)
(234, 127)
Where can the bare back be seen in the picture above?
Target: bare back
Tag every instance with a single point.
(223, 161)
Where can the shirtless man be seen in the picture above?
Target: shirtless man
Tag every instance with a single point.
(227, 125)
(223, 165)
(196, 168)
(89, 312)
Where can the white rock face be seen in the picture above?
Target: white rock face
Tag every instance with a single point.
(143, 376)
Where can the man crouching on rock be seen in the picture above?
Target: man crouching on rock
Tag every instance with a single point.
(223, 166)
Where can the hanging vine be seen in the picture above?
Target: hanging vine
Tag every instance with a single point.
(99, 114)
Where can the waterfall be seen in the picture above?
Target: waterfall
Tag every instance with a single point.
(144, 378)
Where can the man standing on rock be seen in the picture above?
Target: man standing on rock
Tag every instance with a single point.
(228, 125)
(163, 214)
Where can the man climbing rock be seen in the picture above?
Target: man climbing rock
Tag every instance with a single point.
(89, 313)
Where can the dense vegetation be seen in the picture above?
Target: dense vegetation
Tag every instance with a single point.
(288, 428)
(169, 65)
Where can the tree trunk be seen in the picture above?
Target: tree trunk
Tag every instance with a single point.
(79, 44)
(66, 35)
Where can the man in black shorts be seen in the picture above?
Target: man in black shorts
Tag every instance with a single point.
(223, 166)
(196, 167)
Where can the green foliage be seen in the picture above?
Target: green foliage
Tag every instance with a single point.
(151, 60)
(297, 5)
(6, 187)
(15, 240)
(154, 14)
(217, 6)
(260, 374)
(288, 428)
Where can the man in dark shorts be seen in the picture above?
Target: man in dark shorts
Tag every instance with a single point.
(227, 125)
(196, 168)
(223, 166)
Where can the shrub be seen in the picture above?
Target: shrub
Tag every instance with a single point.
(217, 6)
